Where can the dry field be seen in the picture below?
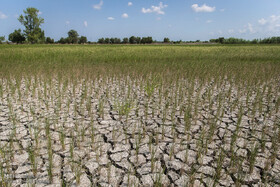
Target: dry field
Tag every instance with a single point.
(139, 116)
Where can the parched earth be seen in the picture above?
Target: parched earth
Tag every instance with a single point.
(120, 132)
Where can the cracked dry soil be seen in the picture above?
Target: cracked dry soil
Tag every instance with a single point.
(122, 132)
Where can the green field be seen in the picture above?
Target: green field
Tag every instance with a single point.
(251, 61)
(142, 115)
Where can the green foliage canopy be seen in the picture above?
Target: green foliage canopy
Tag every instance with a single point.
(2, 39)
(82, 40)
(17, 36)
(166, 40)
(49, 40)
(73, 36)
(32, 22)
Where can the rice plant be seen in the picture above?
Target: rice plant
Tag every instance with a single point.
(189, 115)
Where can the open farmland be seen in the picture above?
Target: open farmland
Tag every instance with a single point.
(129, 115)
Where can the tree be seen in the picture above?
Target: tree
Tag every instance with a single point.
(2, 39)
(138, 40)
(49, 40)
(117, 41)
(17, 36)
(125, 41)
(82, 40)
(214, 40)
(132, 40)
(73, 36)
(101, 41)
(255, 41)
(107, 40)
(221, 40)
(166, 40)
(62, 40)
(112, 40)
(32, 24)
(147, 40)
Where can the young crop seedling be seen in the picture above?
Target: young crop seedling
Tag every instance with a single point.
(124, 108)
(32, 158)
(154, 115)
(62, 137)
(219, 167)
(50, 151)
(101, 108)
(78, 172)
(252, 157)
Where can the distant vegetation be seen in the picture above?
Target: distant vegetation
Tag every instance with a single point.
(35, 35)
(92, 115)
(32, 23)
(73, 38)
(17, 37)
(131, 40)
(272, 40)
(2, 39)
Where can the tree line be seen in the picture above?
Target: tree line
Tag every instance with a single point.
(131, 40)
(231, 40)
(34, 34)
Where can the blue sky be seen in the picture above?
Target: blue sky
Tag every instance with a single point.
(176, 19)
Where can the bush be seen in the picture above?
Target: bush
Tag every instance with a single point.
(17, 37)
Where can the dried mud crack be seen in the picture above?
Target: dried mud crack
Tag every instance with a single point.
(117, 132)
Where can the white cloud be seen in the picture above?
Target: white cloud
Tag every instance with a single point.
(3, 16)
(262, 21)
(274, 18)
(67, 22)
(85, 23)
(129, 4)
(250, 28)
(203, 8)
(110, 18)
(271, 24)
(39, 13)
(209, 21)
(222, 10)
(98, 6)
(155, 9)
(158, 18)
(124, 15)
